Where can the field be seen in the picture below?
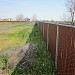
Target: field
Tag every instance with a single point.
(10, 34)
(23, 51)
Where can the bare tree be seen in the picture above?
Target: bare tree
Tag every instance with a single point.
(66, 18)
(20, 17)
(71, 9)
(34, 18)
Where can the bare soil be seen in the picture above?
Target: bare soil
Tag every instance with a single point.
(22, 56)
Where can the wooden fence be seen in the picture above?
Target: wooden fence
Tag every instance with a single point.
(60, 41)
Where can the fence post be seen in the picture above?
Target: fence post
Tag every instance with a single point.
(57, 38)
(43, 30)
(47, 35)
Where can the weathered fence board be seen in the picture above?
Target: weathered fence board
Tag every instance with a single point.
(60, 40)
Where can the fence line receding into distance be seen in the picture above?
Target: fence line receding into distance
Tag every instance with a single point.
(60, 41)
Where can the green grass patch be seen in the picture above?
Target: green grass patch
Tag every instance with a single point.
(15, 37)
(43, 62)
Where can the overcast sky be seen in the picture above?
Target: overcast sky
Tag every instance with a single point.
(43, 9)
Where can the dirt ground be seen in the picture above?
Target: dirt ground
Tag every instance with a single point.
(22, 55)
(12, 26)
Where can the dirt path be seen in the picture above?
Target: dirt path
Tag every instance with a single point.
(9, 29)
(21, 57)
(4, 31)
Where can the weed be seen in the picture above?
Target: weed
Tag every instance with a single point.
(43, 63)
